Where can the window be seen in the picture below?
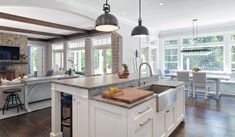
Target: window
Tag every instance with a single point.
(76, 56)
(58, 57)
(154, 55)
(205, 40)
(171, 59)
(101, 41)
(233, 37)
(36, 60)
(154, 59)
(77, 44)
(102, 61)
(102, 55)
(212, 62)
(58, 47)
(171, 42)
(145, 54)
(233, 58)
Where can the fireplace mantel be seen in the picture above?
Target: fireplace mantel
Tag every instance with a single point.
(12, 63)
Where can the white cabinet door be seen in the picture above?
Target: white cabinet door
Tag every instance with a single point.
(145, 128)
(80, 116)
(107, 120)
(179, 110)
(160, 124)
(169, 118)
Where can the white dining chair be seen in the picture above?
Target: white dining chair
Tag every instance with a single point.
(184, 76)
(200, 82)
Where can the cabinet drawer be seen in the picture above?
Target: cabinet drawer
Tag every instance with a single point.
(144, 109)
(143, 121)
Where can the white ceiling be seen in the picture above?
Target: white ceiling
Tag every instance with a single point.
(173, 14)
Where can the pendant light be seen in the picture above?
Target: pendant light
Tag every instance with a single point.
(195, 49)
(106, 22)
(140, 30)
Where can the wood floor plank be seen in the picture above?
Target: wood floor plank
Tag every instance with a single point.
(203, 119)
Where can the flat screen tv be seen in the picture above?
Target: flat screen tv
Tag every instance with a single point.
(9, 53)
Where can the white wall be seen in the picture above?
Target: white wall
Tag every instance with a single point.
(130, 45)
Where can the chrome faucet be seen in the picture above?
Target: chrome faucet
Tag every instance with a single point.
(150, 69)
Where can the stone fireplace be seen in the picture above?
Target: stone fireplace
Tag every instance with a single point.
(12, 69)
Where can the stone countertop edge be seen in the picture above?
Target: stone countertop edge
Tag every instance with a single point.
(97, 86)
(55, 77)
(90, 88)
(121, 104)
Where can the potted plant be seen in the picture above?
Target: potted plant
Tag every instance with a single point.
(196, 69)
(125, 72)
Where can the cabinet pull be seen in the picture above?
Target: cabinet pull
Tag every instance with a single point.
(167, 111)
(141, 112)
(141, 125)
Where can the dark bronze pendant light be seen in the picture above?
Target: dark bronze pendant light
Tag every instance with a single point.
(140, 30)
(106, 22)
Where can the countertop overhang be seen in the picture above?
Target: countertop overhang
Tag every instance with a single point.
(98, 81)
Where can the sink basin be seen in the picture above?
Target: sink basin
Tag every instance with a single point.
(166, 96)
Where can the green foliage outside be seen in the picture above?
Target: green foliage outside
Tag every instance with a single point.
(212, 62)
(207, 39)
(171, 59)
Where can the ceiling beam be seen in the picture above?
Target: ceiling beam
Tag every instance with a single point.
(37, 39)
(40, 22)
(76, 35)
(30, 31)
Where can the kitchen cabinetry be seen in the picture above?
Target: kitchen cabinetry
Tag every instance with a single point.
(140, 121)
(114, 121)
(179, 109)
(80, 116)
(168, 119)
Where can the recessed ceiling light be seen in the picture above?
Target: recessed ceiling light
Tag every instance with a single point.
(124, 13)
(161, 4)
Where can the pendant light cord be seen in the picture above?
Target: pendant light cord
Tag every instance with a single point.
(140, 19)
(139, 8)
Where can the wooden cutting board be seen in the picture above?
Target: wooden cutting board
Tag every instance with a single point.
(132, 95)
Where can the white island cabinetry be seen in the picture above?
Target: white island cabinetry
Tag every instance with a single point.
(97, 117)
(109, 120)
(140, 121)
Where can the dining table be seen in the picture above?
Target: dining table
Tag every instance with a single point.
(214, 77)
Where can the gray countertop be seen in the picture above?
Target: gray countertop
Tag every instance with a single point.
(43, 78)
(96, 81)
(168, 83)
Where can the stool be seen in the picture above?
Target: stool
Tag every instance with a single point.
(66, 102)
(13, 96)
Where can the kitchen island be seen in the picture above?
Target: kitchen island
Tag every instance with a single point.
(84, 91)
(40, 86)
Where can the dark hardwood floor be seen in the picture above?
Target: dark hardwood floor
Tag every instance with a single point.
(203, 119)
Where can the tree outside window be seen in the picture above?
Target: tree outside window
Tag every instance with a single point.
(171, 59)
(212, 62)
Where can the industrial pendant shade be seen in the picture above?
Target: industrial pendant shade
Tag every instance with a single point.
(140, 30)
(106, 22)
